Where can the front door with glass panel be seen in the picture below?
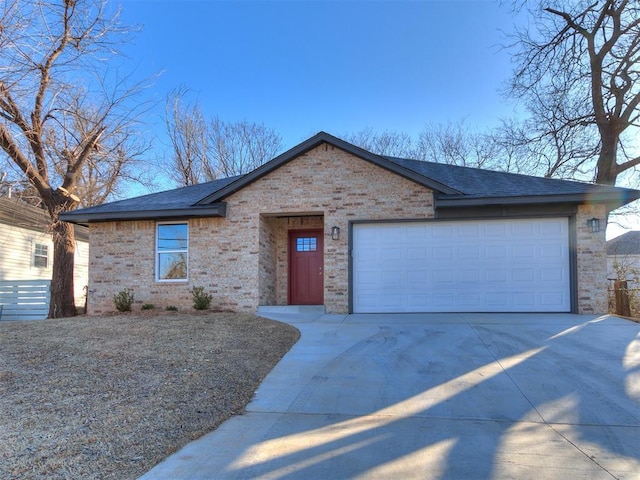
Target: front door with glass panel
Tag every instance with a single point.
(306, 267)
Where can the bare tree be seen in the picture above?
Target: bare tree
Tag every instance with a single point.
(578, 72)
(205, 149)
(114, 157)
(390, 143)
(239, 147)
(453, 143)
(61, 113)
(188, 132)
(541, 146)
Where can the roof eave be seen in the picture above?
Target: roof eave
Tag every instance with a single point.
(309, 145)
(80, 218)
(613, 200)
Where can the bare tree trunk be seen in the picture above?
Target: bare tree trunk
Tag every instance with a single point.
(607, 171)
(62, 290)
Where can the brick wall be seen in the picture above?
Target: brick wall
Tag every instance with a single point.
(591, 259)
(242, 259)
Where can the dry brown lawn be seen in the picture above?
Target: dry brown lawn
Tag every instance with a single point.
(111, 397)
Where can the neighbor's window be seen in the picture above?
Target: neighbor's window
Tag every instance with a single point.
(172, 243)
(41, 256)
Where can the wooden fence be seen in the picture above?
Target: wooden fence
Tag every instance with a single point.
(623, 300)
(24, 299)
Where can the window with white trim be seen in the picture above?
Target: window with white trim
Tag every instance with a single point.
(172, 252)
(41, 255)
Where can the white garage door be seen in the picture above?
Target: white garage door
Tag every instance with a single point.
(462, 266)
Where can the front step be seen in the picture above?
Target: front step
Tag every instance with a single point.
(292, 309)
(291, 312)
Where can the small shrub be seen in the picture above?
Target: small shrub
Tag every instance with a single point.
(201, 300)
(123, 300)
(148, 306)
(171, 308)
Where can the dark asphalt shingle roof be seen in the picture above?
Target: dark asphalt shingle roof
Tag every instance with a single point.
(489, 183)
(626, 244)
(454, 186)
(176, 199)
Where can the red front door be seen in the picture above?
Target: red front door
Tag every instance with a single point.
(306, 267)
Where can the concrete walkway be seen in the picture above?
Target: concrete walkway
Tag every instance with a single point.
(454, 396)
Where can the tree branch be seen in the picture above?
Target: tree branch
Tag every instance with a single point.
(14, 152)
(634, 162)
(570, 22)
(86, 148)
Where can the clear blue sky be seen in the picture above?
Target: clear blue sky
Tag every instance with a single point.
(338, 66)
(302, 66)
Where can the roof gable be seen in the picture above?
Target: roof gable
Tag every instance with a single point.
(309, 145)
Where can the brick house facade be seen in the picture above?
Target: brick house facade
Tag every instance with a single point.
(239, 230)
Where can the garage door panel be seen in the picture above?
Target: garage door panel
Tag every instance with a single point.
(524, 275)
(497, 275)
(551, 228)
(391, 254)
(524, 252)
(418, 302)
(418, 253)
(554, 298)
(391, 279)
(443, 301)
(391, 301)
(492, 266)
(417, 277)
(442, 253)
(365, 253)
(471, 300)
(497, 299)
(496, 230)
(526, 300)
(496, 252)
(442, 277)
(469, 253)
(522, 230)
(553, 275)
(551, 251)
(416, 234)
(469, 230)
(469, 276)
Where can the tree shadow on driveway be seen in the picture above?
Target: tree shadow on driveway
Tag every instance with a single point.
(509, 397)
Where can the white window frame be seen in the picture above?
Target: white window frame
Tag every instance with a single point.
(158, 252)
(37, 255)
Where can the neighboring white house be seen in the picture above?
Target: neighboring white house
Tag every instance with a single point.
(26, 248)
(623, 256)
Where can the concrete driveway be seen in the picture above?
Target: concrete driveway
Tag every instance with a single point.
(453, 396)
